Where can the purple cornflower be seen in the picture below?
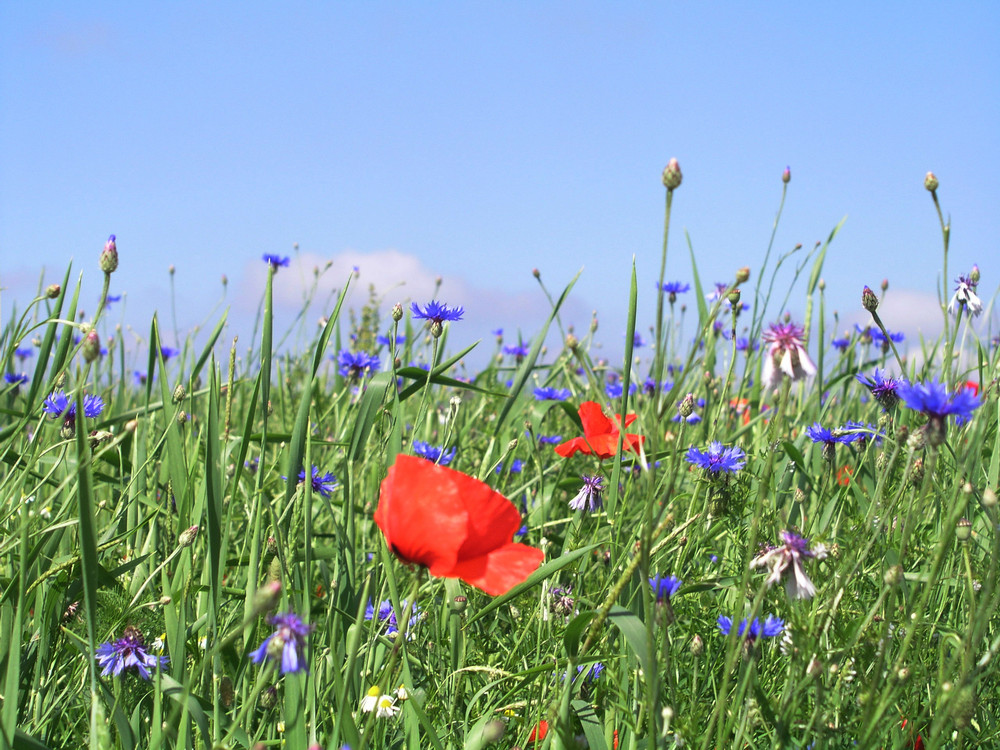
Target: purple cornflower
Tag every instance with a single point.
(789, 556)
(771, 627)
(933, 400)
(965, 294)
(286, 644)
(721, 290)
(637, 341)
(589, 496)
(717, 458)
(436, 312)
(139, 377)
(275, 261)
(551, 394)
(786, 354)
(386, 614)
(883, 389)
(664, 587)
(324, 485)
(57, 404)
(356, 365)
(561, 601)
(128, 652)
(433, 453)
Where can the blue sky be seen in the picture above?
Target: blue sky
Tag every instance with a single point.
(477, 141)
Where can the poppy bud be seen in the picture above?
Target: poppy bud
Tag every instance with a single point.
(52, 291)
(930, 182)
(868, 300)
(743, 275)
(672, 175)
(109, 256)
(786, 176)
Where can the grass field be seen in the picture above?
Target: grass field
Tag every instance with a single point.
(202, 550)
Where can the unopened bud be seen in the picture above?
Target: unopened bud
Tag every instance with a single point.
(536, 273)
(989, 498)
(822, 285)
(109, 256)
(269, 696)
(885, 285)
(930, 182)
(734, 298)
(52, 291)
(672, 175)
(267, 597)
(917, 474)
(179, 393)
(186, 538)
(171, 269)
(397, 312)
(686, 407)
(182, 417)
(437, 329)
(893, 576)
(131, 425)
(225, 280)
(91, 348)
(572, 342)
(697, 645)
(493, 732)
(974, 275)
(868, 299)
(786, 176)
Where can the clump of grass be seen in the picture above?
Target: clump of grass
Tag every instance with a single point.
(218, 513)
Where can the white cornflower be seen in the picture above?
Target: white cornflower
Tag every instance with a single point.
(789, 555)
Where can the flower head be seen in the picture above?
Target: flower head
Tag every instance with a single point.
(787, 558)
(436, 312)
(453, 524)
(57, 404)
(965, 296)
(883, 389)
(518, 351)
(664, 587)
(433, 453)
(771, 627)
(356, 365)
(387, 614)
(128, 652)
(15, 378)
(933, 400)
(589, 496)
(717, 459)
(673, 288)
(600, 434)
(286, 644)
(786, 354)
(551, 394)
(383, 705)
(324, 484)
(820, 434)
(275, 261)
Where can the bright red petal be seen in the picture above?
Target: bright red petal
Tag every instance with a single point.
(594, 421)
(492, 519)
(498, 571)
(570, 447)
(421, 512)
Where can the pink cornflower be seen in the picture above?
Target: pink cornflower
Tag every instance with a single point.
(786, 354)
(790, 555)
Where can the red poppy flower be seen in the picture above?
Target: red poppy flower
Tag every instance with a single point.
(600, 434)
(972, 385)
(539, 731)
(844, 475)
(454, 525)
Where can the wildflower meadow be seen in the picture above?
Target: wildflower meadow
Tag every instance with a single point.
(754, 530)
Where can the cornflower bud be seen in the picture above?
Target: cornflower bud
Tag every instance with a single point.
(186, 538)
(572, 342)
(686, 406)
(974, 274)
(536, 273)
(885, 285)
(52, 291)
(930, 182)
(786, 176)
(697, 645)
(437, 328)
(868, 299)
(109, 256)
(672, 175)
(267, 597)
(91, 348)
(397, 312)
(179, 392)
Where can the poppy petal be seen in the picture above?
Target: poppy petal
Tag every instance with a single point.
(594, 421)
(570, 447)
(499, 570)
(491, 519)
(421, 513)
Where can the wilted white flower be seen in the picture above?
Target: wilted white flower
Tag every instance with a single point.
(788, 556)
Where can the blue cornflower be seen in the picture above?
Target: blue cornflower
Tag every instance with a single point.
(286, 644)
(878, 337)
(324, 485)
(933, 400)
(743, 344)
(24, 353)
(498, 332)
(550, 439)
(593, 671)
(589, 496)
(841, 344)
(433, 453)
(883, 389)
(56, 404)
(128, 652)
(820, 434)
(139, 377)
(649, 386)
(167, 352)
(15, 378)
(551, 394)
(717, 458)
(436, 312)
(664, 587)
(386, 341)
(275, 261)
(386, 614)
(637, 341)
(518, 351)
(771, 627)
(356, 365)
(853, 431)
(516, 467)
(673, 288)
(614, 389)
(111, 299)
